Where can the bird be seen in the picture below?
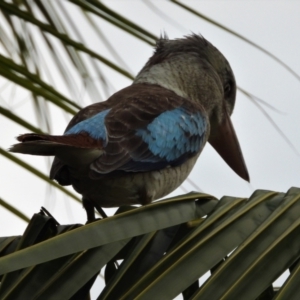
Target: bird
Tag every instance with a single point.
(143, 141)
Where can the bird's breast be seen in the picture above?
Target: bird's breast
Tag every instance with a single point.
(132, 188)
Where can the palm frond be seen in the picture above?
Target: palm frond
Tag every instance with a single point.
(165, 247)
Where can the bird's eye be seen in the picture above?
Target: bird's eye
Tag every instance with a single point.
(227, 88)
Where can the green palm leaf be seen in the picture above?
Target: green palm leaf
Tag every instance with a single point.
(165, 247)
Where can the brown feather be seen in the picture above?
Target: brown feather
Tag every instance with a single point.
(82, 140)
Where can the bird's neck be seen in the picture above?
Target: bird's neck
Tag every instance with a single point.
(185, 75)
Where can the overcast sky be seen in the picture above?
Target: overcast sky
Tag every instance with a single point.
(272, 163)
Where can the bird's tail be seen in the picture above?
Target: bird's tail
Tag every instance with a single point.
(66, 147)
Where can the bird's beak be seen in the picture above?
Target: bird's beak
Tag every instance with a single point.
(225, 142)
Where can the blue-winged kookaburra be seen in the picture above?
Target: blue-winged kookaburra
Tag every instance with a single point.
(142, 143)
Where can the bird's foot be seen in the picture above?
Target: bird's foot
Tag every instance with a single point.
(89, 207)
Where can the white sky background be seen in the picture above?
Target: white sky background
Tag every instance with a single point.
(272, 164)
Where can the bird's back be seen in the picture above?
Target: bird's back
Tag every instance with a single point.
(147, 129)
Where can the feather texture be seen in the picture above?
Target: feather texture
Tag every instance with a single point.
(93, 126)
(140, 137)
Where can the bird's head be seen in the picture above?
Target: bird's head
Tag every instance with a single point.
(196, 70)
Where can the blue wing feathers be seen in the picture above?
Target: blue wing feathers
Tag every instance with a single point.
(94, 126)
(141, 128)
(169, 139)
(174, 133)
